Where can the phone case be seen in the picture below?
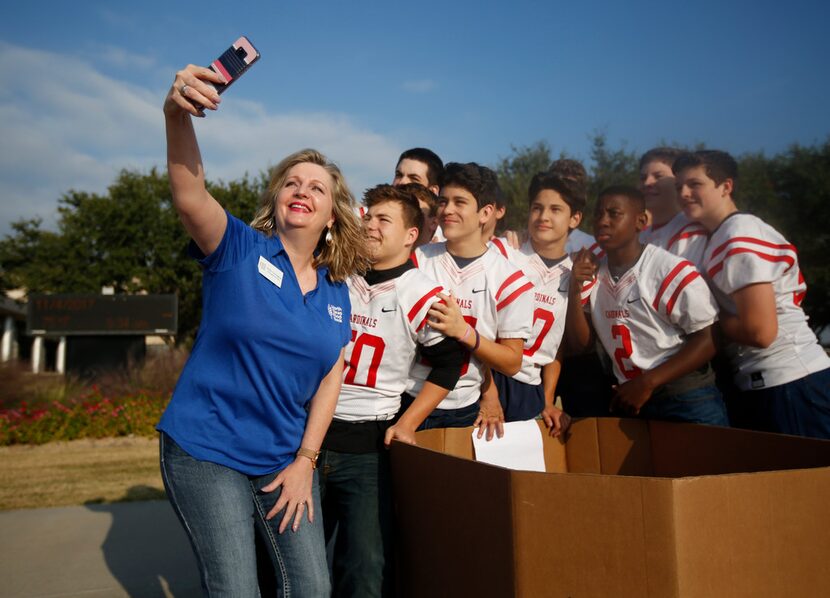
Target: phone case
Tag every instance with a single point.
(234, 62)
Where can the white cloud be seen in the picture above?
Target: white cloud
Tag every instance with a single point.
(419, 86)
(65, 125)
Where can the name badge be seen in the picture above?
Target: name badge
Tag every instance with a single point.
(270, 271)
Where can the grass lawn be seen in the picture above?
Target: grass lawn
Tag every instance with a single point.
(79, 472)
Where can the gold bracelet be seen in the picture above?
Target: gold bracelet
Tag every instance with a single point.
(310, 454)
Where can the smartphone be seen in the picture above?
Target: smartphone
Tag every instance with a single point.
(234, 62)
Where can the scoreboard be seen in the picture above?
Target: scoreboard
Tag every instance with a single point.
(89, 314)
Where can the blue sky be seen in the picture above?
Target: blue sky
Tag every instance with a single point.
(84, 83)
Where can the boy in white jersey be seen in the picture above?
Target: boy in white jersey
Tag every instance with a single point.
(653, 314)
(389, 323)
(489, 305)
(555, 210)
(782, 372)
(669, 228)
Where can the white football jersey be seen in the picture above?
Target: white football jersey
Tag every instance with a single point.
(642, 319)
(550, 304)
(388, 320)
(578, 240)
(494, 297)
(746, 250)
(679, 236)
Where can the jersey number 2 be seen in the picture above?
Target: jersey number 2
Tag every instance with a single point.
(377, 345)
(621, 331)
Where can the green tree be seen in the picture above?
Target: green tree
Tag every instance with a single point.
(800, 179)
(515, 173)
(608, 167)
(130, 239)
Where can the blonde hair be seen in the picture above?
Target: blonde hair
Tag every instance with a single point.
(347, 254)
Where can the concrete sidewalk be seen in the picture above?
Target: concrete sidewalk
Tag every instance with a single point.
(133, 549)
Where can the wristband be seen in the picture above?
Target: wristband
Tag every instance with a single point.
(478, 341)
(310, 454)
(466, 332)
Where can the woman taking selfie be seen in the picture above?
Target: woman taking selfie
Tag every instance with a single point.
(240, 438)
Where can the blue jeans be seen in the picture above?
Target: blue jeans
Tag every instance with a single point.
(800, 407)
(702, 405)
(444, 418)
(221, 509)
(356, 492)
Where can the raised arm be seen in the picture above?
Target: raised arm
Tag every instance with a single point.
(202, 216)
(578, 331)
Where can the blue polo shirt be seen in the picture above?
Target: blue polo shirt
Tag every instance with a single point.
(261, 352)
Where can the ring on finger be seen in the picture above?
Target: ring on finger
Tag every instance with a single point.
(183, 89)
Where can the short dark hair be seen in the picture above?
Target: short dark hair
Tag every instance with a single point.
(570, 190)
(435, 167)
(412, 214)
(719, 165)
(666, 155)
(573, 171)
(632, 194)
(479, 180)
(423, 194)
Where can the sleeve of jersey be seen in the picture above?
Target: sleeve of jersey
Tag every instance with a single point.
(502, 245)
(514, 306)
(744, 260)
(447, 357)
(236, 243)
(684, 299)
(417, 304)
(588, 289)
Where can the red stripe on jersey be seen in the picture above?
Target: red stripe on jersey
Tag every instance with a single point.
(511, 279)
(417, 307)
(667, 281)
(587, 286)
(500, 246)
(414, 259)
(798, 297)
(765, 256)
(761, 242)
(686, 280)
(685, 235)
(514, 295)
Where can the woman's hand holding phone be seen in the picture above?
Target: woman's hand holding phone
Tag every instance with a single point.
(192, 91)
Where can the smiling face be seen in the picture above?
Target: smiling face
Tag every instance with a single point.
(703, 200)
(305, 199)
(657, 185)
(550, 219)
(460, 218)
(390, 241)
(617, 223)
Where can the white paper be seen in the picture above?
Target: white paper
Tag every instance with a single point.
(519, 448)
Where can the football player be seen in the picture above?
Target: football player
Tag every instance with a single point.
(651, 311)
(488, 307)
(389, 323)
(779, 367)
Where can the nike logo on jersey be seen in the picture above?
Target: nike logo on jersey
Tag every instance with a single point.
(479, 290)
(386, 311)
(635, 300)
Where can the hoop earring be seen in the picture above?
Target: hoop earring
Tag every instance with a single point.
(329, 238)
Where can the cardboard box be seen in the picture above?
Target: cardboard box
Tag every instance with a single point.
(628, 508)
